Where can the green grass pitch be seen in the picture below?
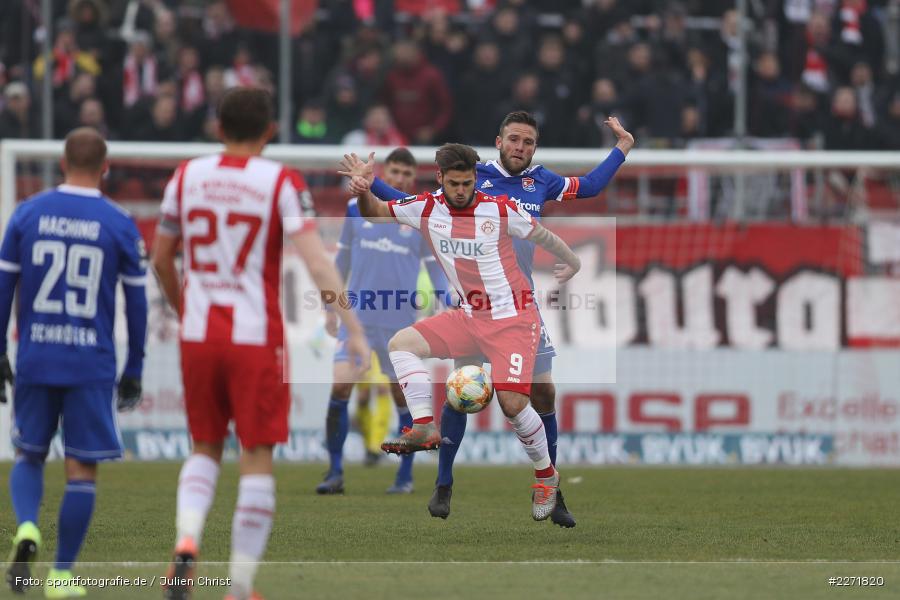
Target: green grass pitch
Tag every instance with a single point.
(642, 533)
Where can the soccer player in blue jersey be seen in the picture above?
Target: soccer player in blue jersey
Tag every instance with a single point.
(530, 186)
(67, 249)
(383, 260)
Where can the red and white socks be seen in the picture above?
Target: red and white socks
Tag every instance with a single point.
(196, 490)
(250, 530)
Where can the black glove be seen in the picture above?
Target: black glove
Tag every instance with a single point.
(6, 376)
(129, 393)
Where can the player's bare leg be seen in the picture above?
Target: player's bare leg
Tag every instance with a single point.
(253, 517)
(196, 491)
(543, 399)
(530, 431)
(407, 349)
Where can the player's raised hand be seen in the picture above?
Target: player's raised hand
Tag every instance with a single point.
(6, 376)
(353, 166)
(625, 139)
(130, 393)
(359, 185)
(563, 273)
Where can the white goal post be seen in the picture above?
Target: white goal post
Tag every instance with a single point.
(328, 156)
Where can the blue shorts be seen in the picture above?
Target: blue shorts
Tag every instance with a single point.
(378, 338)
(89, 429)
(543, 361)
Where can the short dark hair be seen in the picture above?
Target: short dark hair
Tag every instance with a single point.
(518, 116)
(85, 150)
(456, 157)
(402, 156)
(245, 114)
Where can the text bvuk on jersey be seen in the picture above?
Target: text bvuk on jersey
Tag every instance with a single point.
(461, 248)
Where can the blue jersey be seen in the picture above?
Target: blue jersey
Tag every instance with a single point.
(530, 189)
(68, 248)
(384, 264)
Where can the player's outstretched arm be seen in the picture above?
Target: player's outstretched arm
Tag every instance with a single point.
(553, 244)
(370, 208)
(327, 279)
(165, 249)
(353, 166)
(595, 181)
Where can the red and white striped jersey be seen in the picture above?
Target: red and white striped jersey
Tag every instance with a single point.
(232, 214)
(474, 247)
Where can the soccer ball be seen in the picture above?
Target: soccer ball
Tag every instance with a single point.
(469, 389)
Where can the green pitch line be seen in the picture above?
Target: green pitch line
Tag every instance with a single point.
(744, 533)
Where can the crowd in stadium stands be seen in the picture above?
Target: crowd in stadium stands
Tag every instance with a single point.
(428, 71)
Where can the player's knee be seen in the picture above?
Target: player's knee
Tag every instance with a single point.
(543, 397)
(342, 390)
(77, 470)
(33, 458)
(408, 340)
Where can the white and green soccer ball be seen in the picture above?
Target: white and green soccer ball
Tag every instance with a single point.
(469, 389)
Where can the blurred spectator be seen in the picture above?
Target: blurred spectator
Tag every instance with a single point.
(447, 48)
(219, 35)
(858, 36)
(844, 130)
(690, 125)
(242, 71)
(863, 84)
(89, 18)
(66, 107)
(579, 53)
(512, 37)
(417, 95)
(890, 124)
(806, 116)
(378, 130)
(344, 111)
(68, 60)
(91, 114)
(769, 99)
(192, 94)
(139, 73)
(316, 51)
(165, 35)
(312, 125)
(820, 57)
(526, 95)
(484, 84)
(589, 131)
(612, 58)
(558, 91)
(604, 15)
(657, 98)
(17, 120)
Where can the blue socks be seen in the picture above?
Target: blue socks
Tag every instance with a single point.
(26, 488)
(453, 428)
(337, 424)
(404, 473)
(550, 429)
(74, 518)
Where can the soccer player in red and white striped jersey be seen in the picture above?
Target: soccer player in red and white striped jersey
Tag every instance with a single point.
(470, 234)
(232, 211)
